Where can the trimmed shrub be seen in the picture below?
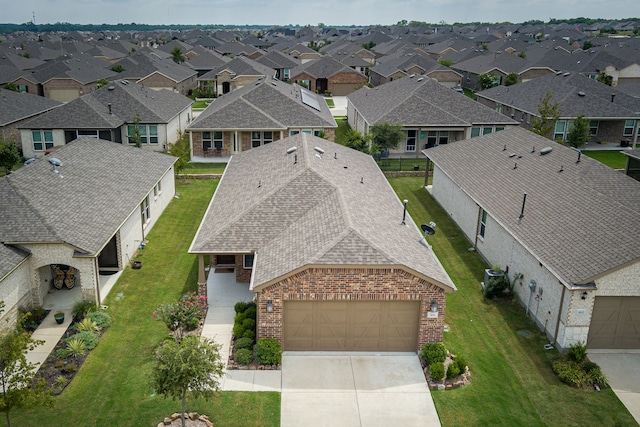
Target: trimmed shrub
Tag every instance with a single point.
(242, 306)
(238, 330)
(594, 374)
(100, 318)
(453, 370)
(249, 324)
(569, 372)
(250, 312)
(434, 352)
(496, 286)
(244, 356)
(244, 342)
(460, 362)
(249, 334)
(90, 339)
(577, 352)
(436, 371)
(268, 351)
(62, 353)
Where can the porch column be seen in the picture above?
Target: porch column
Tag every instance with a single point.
(202, 280)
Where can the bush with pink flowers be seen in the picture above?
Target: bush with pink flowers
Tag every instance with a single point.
(184, 315)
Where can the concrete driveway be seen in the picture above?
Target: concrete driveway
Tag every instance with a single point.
(622, 368)
(355, 390)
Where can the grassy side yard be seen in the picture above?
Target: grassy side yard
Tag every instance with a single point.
(112, 387)
(612, 158)
(343, 127)
(205, 168)
(512, 383)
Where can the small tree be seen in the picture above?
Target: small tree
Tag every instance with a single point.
(587, 45)
(487, 81)
(579, 132)
(354, 139)
(191, 366)
(177, 55)
(385, 136)
(548, 115)
(102, 82)
(9, 155)
(135, 136)
(511, 79)
(604, 78)
(11, 86)
(20, 388)
(445, 62)
(117, 68)
(182, 151)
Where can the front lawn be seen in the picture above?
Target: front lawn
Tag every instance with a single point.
(612, 158)
(512, 383)
(112, 387)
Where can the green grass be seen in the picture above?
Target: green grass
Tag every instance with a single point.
(512, 383)
(329, 102)
(205, 168)
(401, 164)
(343, 127)
(612, 158)
(112, 387)
(200, 105)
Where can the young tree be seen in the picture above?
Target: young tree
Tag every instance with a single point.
(11, 86)
(135, 136)
(182, 151)
(20, 388)
(354, 139)
(385, 136)
(511, 79)
(579, 132)
(487, 81)
(9, 155)
(604, 78)
(548, 114)
(177, 55)
(191, 366)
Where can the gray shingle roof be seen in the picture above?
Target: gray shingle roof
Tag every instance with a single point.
(421, 101)
(275, 59)
(580, 223)
(324, 67)
(16, 106)
(9, 258)
(266, 104)
(103, 183)
(334, 209)
(142, 64)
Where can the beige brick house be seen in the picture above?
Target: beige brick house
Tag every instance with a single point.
(564, 227)
(320, 237)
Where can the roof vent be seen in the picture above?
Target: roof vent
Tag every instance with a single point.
(412, 76)
(512, 155)
(566, 74)
(111, 87)
(533, 150)
(545, 150)
(581, 93)
(319, 150)
(291, 150)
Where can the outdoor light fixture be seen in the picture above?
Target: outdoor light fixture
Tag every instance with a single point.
(434, 306)
(269, 306)
(584, 295)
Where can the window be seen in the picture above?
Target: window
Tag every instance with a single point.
(206, 141)
(593, 127)
(411, 140)
(318, 133)
(475, 131)
(153, 134)
(499, 128)
(255, 139)
(42, 139)
(267, 137)
(483, 222)
(443, 137)
(522, 116)
(307, 131)
(499, 108)
(558, 134)
(144, 211)
(628, 127)
(247, 261)
(487, 130)
(157, 189)
(432, 138)
(148, 133)
(218, 140)
(286, 73)
(23, 89)
(88, 133)
(293, 132)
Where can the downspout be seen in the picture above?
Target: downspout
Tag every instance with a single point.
(97, 270)
(532, 288)
(555, 335)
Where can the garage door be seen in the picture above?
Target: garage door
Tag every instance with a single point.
(64, 95)
(351, 325)
(343, 89)
(615, 323)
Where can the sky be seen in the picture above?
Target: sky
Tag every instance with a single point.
(329, 12)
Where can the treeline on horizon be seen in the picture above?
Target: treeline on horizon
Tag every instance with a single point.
(66, 26)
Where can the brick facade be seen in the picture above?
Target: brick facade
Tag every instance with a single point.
(353, 284)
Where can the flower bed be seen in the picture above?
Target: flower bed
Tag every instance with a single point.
(443, 370)
(244, 352)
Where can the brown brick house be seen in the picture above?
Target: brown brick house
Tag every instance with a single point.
(328, 75)
(258, 114)
(320, 237)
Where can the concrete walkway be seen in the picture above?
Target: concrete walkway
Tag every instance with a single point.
(622, 368)
(340, 106)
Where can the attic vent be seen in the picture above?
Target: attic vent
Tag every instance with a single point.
(319, 150)
(111, 87)
(581, 93)
(412, 76)
(512, 155)
(566, 74)
(545, 150)
(421, 79)
(291, 150)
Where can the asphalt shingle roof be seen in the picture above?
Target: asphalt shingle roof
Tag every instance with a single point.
(308, 209)
(88, 204)
(16, 106)
(579, 222)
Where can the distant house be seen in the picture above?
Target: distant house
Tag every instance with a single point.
(281, 63)
(318, 237)
(537, 210)
(65, 230)
(234, 74)
(18, 108)
(303, 53)
(430, 113)
(394, 67)
(328, 75)
(110, 114)
(258, 114)
(614, 115)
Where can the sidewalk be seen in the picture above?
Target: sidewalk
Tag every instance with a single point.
(49, 332)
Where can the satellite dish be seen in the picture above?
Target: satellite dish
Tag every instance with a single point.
(55, 162)
(29, 161)
(427, 229)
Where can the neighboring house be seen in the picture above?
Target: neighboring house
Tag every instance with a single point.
(563, 226)
(89, 218)
(279, 62)
(206, 61)
(303, 53)
(614, 115)
(110, 114)
(633, 164)
(258, 114)
(397, 66)
(18, 108)
(156, 73)
(235, 49)
(430, 113)
(235, 74)
(344, 48)
(321, 239)
(326, 75)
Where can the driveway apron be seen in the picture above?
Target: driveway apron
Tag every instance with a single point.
(355, 390)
